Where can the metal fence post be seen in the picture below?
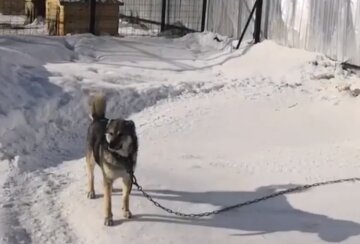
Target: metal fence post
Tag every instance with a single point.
(163, 15)
(203, 17)
(92, 16)
(247, 24)
(257, 27)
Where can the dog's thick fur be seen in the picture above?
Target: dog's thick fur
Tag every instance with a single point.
(113, 145)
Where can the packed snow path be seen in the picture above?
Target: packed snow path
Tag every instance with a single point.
(216, 127)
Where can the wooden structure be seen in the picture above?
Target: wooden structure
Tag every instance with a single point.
(73, 17)
(12, 7)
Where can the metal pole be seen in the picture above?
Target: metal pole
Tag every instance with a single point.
(247, 25)
(258, 14)
(163, 15)
(203, 18)
(266, 22)
(92, 16)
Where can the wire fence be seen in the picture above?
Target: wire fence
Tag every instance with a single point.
(16, 25)
(140, 17)
(150, 17)
(129, 17)
(18, 17)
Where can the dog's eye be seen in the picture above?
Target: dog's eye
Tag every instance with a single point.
(110, 133)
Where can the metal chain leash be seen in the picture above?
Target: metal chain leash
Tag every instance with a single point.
(239, 205)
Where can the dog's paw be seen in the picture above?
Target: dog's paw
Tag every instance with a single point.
(127, 214)
(91, 195)
(108, 222)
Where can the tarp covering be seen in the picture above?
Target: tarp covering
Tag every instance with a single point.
(228, 17)
(331, 27)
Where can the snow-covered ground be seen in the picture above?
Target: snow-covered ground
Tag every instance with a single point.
(216, 127)
(16, 25)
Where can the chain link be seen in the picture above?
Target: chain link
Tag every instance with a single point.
(239, 205)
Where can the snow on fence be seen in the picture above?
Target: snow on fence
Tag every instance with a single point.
(331, 27)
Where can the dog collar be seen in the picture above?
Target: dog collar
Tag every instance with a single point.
(117, 155)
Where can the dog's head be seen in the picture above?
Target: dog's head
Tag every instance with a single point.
(121, 137)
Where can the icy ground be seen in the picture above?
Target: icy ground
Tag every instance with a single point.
(216, 127)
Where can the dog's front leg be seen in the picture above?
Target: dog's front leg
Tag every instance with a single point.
(127, 185)
(90, 165)
(107, 202)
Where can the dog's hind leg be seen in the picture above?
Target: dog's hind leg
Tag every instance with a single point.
(90, 165)
(107, 202)
(127, 185)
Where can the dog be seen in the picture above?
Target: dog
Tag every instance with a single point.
(113, 145)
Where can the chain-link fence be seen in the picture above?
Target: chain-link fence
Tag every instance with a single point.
(150, 17)
(22, 17)
(140, 17)
(129, 17)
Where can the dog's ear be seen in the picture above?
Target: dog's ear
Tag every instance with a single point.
(131, 125)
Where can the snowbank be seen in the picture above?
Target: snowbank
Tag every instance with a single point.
(43, 107)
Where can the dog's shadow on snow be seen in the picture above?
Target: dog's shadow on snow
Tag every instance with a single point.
(270, 216)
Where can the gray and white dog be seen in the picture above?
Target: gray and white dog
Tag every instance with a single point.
(113, 145)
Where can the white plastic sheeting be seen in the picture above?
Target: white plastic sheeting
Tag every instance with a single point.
(228, 17)
(328, 26)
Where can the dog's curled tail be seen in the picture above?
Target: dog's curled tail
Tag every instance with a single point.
(98, 107)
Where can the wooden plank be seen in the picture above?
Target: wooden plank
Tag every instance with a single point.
(12, 7)
(61, 24)
(75, 18)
